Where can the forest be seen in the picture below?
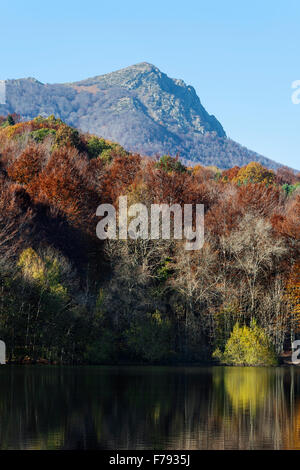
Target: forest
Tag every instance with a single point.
(67, 297)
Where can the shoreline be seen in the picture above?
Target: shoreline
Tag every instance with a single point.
(131, 364)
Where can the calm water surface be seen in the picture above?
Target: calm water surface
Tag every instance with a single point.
(149, 408)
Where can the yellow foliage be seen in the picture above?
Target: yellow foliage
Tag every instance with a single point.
(247, 346)
(46, 271)
(31, 264)
(254, 172)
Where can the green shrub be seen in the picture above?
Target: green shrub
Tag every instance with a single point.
(169, 164)
(106, 155)
(164, 270)
(95, 147)
(247, 346)
(290, 188)
(10, 120)
(66, 135)
(40, 134)
(98, 147)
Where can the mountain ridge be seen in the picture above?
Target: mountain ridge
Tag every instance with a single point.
(138, 106)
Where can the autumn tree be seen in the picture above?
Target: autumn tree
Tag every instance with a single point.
(28, 165)
(293, 298)
(254, 172)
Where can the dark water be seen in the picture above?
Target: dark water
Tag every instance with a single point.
(149, 408)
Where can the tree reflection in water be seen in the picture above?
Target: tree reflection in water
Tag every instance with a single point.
(149, 408)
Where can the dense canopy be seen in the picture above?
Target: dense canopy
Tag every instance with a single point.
(66, 296)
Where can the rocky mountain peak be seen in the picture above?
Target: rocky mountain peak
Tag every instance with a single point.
(138, 106)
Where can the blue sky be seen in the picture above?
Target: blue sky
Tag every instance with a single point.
(241, 57)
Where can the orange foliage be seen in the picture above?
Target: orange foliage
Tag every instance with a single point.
(27, 166)
(287, 223)
(285, 175)
(121, 174)
(258, 198)
(202, 173)
(230, 174)
(293, 294)
(63, 184)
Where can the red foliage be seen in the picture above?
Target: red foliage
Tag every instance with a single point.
(63, 183)
(120, 175)
(27, 166)
(285, 175)
(287, 223)
(230, 174)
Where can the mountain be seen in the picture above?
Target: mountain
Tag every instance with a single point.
(141, 108)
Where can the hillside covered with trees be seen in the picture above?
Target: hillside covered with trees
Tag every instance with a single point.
(141, 108)
(67, 297)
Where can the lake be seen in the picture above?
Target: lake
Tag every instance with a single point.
(45, 407)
